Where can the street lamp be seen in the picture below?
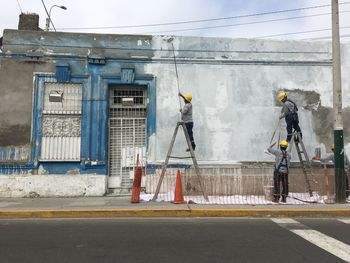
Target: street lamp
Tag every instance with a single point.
(48, 19)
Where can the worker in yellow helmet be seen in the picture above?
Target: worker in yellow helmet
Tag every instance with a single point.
(186, 117)
(280, 174)
(290, 113)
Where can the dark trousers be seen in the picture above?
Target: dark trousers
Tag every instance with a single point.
(279, 178)
(189, 127)
(292, 121)
(347, 184)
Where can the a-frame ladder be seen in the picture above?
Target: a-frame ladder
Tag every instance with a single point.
(303, 159)
(168, 156)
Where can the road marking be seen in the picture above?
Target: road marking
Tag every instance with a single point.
(284, 221)
(330, 244)
(346, 221)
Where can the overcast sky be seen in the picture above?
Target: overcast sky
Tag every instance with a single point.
(90, 15)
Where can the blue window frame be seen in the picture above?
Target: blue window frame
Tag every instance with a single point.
(94, 120)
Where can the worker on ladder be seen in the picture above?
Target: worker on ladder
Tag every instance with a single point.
(186, 117)
(330, 158)
(280, 174)
(290, 113)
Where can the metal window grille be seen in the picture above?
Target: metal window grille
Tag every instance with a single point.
(61, 123)
(71, 103)
(127, 130)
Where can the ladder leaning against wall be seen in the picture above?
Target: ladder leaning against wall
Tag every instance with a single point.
(303, 159)
(192, 156)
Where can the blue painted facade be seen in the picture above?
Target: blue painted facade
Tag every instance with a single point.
(218, 72)
(95, 79)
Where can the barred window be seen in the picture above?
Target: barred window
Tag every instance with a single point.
(61, 123)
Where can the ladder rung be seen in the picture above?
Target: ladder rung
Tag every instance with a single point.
(180, 157)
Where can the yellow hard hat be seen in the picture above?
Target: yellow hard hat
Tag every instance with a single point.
(282, 95)
(188, 96)
(332, 147)
(284, 144)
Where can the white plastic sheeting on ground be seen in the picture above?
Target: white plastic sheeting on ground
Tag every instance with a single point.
(293, 199)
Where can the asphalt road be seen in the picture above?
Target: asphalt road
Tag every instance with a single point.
(170, 240)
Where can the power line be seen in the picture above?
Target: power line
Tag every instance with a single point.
(48, 15)
(202, 20)
(327, 37)
(19, 5)
(241, 24)
(301, 32)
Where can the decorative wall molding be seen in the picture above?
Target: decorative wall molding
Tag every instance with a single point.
(54, 126)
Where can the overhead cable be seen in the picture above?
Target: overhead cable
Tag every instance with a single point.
(202, 20)
(19, 5)
(48, 15)
(301, 32)
(325, 37)
(241, 24)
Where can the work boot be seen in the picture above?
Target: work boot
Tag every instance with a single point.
(284, 199)
(298, 137)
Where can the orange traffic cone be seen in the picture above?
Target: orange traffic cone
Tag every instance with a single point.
(135, 194)
(179, 197)
(136, 186)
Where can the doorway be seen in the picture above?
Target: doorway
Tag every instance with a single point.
(127, 134)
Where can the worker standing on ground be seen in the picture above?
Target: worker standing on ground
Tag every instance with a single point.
(186, 117)
(280, 174)
(290, 113)
(330, 158)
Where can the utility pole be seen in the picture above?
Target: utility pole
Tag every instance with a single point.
(340, 196)
(47, 25)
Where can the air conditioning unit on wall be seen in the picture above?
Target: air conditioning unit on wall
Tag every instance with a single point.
(56, 96)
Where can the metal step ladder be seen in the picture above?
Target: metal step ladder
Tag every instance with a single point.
(303, 159)
(192, 156)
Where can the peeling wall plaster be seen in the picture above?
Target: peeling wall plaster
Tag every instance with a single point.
(235, 106)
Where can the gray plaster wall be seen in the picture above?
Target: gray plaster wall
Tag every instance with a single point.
(234, 94)
(16, 86)
(234, 84)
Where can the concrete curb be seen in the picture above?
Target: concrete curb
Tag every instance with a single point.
(270, 212)
(195, 212)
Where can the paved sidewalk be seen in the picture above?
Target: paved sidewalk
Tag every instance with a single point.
(94, 207)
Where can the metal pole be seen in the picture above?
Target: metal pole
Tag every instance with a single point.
(340, 196)
(177, 75)
(47, 24)
(50, 21)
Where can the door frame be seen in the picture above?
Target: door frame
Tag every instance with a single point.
(149, 82)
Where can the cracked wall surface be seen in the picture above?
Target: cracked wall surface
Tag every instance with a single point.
(321, 116)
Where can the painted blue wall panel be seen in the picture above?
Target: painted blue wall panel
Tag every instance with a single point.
(96, 81)
(98, 117)
(63, 72)
(85, 166)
